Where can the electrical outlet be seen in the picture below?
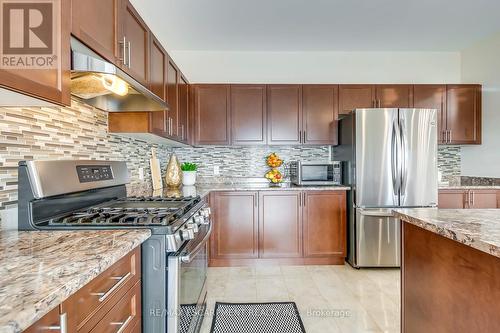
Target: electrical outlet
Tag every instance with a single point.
(216, 170)
(141, 173)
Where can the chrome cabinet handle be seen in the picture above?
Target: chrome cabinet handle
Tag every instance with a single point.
(121, 280)
(129, 62)
(63, 324)
(123, 324)
(472, 199)
(123, 44)
(450, 139)
(304, 141)
(182, 132)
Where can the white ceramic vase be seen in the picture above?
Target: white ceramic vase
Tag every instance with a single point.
(188, 178)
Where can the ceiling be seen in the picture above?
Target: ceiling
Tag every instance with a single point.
(320, 25)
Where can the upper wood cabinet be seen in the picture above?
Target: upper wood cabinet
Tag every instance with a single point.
(429, 96)
(320, 114)
(158, 68)
(211, 114)
(134, 41)
(248, 114)
(183, 106)
(355, 96)
(173, 98)
(95, 23)
(463, 114)
(394, 96)
(52, 85)
(280, 224)
(235, 229)
(324, 223)
(284, 114)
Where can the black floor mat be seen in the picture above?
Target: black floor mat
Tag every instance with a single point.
(276, 317)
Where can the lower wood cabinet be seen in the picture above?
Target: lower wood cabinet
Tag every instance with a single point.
(324, 223)
(469, 198)
(298, 227)
(109, 303)
(280, 224)
(235, 229)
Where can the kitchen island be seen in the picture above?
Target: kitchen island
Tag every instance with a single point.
(41, 269)
(450, 270)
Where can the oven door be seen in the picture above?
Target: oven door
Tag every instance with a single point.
(187, 273)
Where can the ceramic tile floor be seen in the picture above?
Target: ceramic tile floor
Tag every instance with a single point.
(329, 298)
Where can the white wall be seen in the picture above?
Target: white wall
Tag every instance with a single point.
(319, 67)
(481, 64)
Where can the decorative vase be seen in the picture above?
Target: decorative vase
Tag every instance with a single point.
(173, 175)
(188, 178)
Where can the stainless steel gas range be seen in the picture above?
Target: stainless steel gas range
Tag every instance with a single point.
(69, 195)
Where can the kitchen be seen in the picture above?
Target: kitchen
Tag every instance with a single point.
(211, 85)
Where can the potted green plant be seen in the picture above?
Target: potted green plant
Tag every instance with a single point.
(188, 173)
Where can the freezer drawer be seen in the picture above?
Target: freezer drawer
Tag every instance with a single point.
(378, 238)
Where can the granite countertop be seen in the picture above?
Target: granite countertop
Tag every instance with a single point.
(477, 228)
(469, 187)
(40, 269)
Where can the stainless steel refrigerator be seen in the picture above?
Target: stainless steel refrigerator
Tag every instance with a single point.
(389, 159)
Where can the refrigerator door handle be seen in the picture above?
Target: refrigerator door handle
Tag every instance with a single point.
(403, 156)
(395, 158)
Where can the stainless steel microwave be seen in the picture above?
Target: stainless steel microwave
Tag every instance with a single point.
(315, 173)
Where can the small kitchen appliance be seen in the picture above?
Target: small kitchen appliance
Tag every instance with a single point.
(315, 173)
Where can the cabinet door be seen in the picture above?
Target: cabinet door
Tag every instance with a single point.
(451, 199)
(235, 233)
(173, 98)
(136, 46)
(51, 319)
(183, 108)
(211, 115)
(320, 112)
(483, 199)
(248, 114)
(463, 114)
(355, 96)
(50, 84)
(394, 96)
(284, 107)
(280, 224)
(324, 223)
(158, 68)
(428, 96)
(95, 23)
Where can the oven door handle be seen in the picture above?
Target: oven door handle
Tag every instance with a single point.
(188, 257)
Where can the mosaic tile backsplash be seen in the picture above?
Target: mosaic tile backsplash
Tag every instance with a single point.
(80, 132)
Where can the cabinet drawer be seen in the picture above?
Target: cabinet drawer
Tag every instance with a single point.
(89, 304)
(125, 316)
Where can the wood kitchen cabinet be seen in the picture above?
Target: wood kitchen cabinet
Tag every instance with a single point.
(158, 68)
(96, 24)
(320, 114)
(280, 224)
(429, 96)
(235, 228)
(109, 303)
(355, 96)
(173, 99)
(211, 114)
(469, 198)
(183, 106)
(325, 224)
(284, 114)
(463, 114)
(134, 39)
(394, 95)
(248, 114)
(52, 85)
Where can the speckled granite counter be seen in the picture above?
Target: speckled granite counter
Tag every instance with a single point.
(477, 228)
(205, 189)
(470, 187)
(39, 270)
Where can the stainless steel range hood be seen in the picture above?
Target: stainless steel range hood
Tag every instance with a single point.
(105, 86)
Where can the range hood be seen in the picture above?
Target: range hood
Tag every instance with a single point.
(103, 85)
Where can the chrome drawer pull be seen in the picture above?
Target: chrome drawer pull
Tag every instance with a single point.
(63, 324)
(121, 280)
(123, 324)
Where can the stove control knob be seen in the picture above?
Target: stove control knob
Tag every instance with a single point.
(192, 225)
(187, 234)
(205, 212)
(199, 220)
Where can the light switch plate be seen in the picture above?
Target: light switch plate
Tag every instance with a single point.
(216, 170)
(141, 173)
